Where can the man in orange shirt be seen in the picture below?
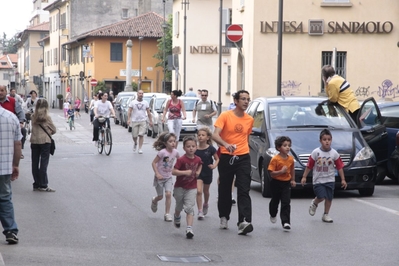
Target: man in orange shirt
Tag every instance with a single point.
(232, 130)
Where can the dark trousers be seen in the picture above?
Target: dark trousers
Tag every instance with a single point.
(240, 167)
(281, 192)
(23, 132)
(96, 126)
(40, 160)
(354, 115)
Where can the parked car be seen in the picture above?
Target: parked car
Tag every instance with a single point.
(188, 127)
(389, 164)
(117, 104)
(118, 109)
(156, 102)
(302, 119)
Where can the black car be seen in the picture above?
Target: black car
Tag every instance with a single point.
(302, 119)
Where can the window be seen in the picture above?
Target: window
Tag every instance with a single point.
(336, 1)
(259, 117)
(125, 13)
(226, 18)
(116, 52)
(63, 21)
(340, 63)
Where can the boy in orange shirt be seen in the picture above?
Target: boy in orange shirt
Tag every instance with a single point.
(281, 168)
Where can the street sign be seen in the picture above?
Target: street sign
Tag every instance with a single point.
(93, 82)
(234, 33)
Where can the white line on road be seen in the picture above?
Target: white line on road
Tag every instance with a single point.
(378, 206)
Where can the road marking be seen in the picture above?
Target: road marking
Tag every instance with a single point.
(378, 206)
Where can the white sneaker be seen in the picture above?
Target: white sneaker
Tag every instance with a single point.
(223, 223)
(134, 147)
(312, 208)
(189, 233)
(326, 218)
(273, 219)
(287, 227)
(140, 151)
(245, 228)
(201, 215)
(168, 217)
(154, 205)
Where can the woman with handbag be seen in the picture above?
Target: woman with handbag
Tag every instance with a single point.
(41, 144)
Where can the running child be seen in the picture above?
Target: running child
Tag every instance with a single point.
(187, 169)
(324, 161)
(163, 165)
(282, 171)
(66, 107)
(210, 160)
(71, 114)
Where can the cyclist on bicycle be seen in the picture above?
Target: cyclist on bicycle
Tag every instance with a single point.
(71, 114)
(103, 108)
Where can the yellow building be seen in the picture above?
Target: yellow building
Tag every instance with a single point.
(101, 55)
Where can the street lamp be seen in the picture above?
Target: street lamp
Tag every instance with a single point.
(139, 87)
(185, 3)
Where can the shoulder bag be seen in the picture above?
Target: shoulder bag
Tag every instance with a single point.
(52, 146)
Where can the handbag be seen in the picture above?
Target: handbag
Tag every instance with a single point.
(52, 146)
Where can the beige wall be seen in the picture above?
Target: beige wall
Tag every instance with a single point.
(370, 56)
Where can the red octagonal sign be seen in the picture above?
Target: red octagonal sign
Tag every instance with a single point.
(234, 33)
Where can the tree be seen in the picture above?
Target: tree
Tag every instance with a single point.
(9, 45)
(168, 48)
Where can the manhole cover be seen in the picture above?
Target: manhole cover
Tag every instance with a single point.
(186, 259)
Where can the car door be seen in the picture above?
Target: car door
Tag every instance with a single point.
(371, 125)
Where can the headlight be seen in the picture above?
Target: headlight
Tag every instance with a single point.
(364, 154)
(272, 151)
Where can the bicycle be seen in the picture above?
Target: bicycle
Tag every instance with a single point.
(71, 123)
(104, 136)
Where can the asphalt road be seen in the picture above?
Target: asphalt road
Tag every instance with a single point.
(100, 215)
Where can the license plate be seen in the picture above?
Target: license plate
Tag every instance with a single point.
(189, 129)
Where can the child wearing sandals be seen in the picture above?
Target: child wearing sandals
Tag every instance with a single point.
(210, 160)
(162, 166)
(187, 169)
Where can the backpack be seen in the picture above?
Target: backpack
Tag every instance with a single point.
(213, 104)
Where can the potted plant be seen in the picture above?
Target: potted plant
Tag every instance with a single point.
(60, 103)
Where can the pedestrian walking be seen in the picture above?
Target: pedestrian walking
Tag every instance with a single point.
(66, 108)
(77, 106)
(324, 161)
(137, 115)
(42, 127)
(210, 160)
(162, 165)
(205, 109)
(232, 129)
(187, 169)
(177, 113)
(91, 107)
(190, 93)
(10, 154)
(338, 91)
(282, 171)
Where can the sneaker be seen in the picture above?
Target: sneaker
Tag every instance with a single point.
(135, 147)
(287, 227)
(223, 223)
(233, 201)
(201, 215)
(273, 219)
(312, 208)
(11, 238)
(245, 228)
(167, 217)
(205, 209)
(189, 233)
(140, 151)
(154, 205)
(326, 218)
(176, 221)
(46, 189)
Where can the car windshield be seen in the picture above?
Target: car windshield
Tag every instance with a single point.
(189, 104)
(147, 99)
(306, 114)
(159, 102)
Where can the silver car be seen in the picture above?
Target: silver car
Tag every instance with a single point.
(156, 102)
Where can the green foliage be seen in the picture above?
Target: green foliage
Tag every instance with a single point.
(100, 87)
(10, 45)
(168, 48)
(60, 96)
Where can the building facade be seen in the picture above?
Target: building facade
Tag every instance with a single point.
(359, 38)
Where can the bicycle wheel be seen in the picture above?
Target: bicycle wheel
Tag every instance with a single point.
(108, 141)
(70, 124)
(100, 143)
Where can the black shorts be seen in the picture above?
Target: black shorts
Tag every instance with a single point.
(206, 179)
(77, 110)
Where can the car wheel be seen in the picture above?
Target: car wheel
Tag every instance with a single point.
(381, 174)
(366, 192)
(265, 182)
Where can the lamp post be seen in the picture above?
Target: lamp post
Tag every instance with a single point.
(164, 26)
(41, 44)
(185, 3)
(220, 57)
(140, 74)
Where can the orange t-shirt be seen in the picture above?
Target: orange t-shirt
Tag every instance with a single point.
(235, 130)
(277, 163)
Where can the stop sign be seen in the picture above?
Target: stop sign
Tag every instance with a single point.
(93, 82)
(234, 33)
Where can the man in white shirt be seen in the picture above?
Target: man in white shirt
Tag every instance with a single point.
(206, 109)
(136, 115)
